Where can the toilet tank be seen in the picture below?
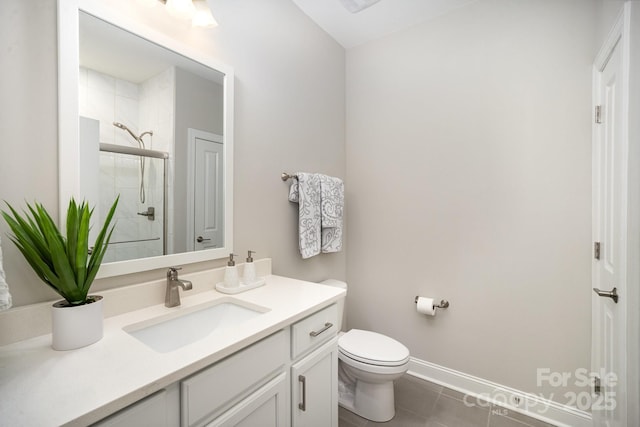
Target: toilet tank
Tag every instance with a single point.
(342, 315)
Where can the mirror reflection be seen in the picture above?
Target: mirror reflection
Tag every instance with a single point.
(151, 131)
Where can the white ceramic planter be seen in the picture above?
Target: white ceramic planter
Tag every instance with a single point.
(76, 326)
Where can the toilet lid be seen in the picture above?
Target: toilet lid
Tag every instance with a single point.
(373, 348)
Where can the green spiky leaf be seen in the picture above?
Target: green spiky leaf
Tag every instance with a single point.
(62, 262)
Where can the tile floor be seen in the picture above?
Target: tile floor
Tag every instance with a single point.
(424, 404)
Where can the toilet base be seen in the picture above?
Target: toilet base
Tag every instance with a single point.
(374, 402)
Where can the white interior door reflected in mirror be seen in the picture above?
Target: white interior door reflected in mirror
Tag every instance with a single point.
(205, 191)
(109, 54)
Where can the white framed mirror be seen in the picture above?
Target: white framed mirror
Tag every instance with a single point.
(147, 118)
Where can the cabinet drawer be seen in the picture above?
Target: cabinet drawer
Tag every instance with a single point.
(313, 330)
(215, 388)
(148, 412)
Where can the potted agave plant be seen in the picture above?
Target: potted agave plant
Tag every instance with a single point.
(68, 265)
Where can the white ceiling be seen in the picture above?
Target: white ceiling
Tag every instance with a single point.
(382, 18)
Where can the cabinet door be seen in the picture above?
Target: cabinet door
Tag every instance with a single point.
(267, 407)
(314, 388)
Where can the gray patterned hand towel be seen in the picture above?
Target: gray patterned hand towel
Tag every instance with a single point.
(305, 190)
(332, 205)
(320, 201)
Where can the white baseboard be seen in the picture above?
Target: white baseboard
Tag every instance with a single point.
(514, 400)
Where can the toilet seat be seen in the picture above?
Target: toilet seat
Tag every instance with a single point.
(371, 348)
(373, 369)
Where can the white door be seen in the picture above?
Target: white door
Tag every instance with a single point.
(206, 191)
(314, 388)
(609, 231)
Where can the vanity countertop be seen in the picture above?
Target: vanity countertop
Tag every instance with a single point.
(40, 386)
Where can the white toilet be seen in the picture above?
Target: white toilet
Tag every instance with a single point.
(368, 364)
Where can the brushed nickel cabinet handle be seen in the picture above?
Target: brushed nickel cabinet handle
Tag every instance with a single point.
(316, 333)
(303, 405)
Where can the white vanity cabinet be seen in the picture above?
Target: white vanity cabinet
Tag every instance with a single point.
(243, 373)
(253, 387)
(314, 377)
(288, 379)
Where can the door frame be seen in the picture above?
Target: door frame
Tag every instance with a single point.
(625, 35)
(192, 135)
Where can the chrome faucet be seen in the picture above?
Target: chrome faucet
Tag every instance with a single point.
(172, 297)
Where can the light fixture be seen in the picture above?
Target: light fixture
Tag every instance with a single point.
(196, 10)
(183, 9)
(203, 16)
(148, 3)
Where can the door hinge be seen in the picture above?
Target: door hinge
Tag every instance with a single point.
(596, 385)
(598, 115)
(596, 250)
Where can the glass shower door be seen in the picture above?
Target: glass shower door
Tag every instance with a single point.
(140, 219)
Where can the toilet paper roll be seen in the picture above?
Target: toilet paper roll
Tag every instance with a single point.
(425, 306)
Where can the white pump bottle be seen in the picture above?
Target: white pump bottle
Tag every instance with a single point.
(249, 275)
(231, 279)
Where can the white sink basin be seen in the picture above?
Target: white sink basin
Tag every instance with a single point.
(188, 325)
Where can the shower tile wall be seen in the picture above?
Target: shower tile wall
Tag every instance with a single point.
(141, 107)
(157, 113)
(156, 110)
(108, 99)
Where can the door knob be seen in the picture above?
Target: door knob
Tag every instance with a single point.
(200, 239)
(613, 294)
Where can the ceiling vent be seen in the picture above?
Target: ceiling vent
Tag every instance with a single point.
(355, 6)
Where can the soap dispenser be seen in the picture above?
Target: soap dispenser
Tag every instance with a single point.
(231, 279)
(249, 275)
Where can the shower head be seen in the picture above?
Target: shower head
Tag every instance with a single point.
(123, 127)
(138, 138)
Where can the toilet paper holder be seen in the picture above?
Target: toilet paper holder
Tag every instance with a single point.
(443, 303)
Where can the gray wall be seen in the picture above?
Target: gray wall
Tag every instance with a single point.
(289, 116)
(28, 126)
(469, 178)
